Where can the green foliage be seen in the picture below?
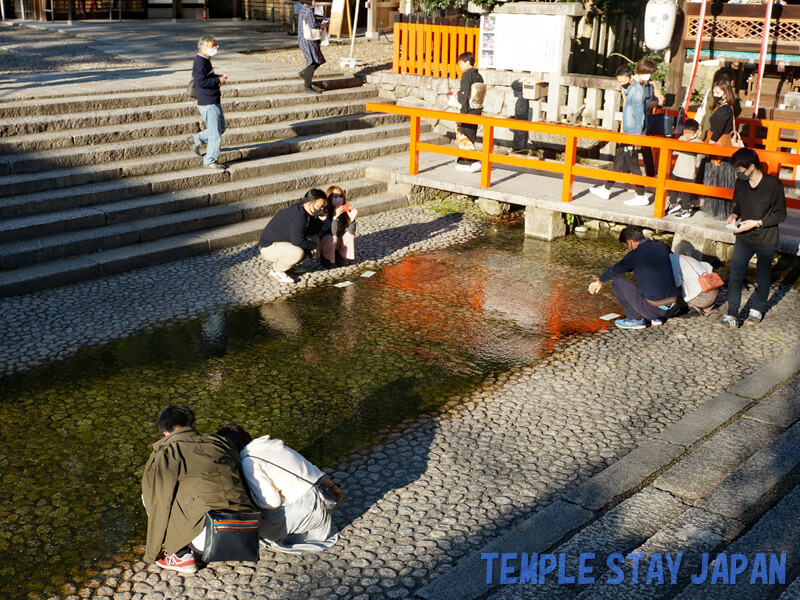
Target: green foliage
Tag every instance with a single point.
(632, 9)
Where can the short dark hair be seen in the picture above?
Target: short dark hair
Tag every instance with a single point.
(725, 74)
(468, 57)
(691, 124)
(745, 157)
(631, 233)
(646, 66)
(624, 70)
(174, 416)
(236, 434)
(313, 195)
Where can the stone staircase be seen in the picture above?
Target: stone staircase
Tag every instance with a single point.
(94, 185)
(722, 480)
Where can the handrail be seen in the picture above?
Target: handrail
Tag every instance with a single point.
(568, 168)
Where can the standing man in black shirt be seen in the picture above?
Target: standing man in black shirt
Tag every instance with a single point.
(207, 85)
(293, 232)
(759, 205)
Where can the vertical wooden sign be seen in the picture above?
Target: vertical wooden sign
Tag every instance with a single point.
(338, 9)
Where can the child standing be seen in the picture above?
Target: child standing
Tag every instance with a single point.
(470, 99)
(626, 158)
(653, 123)
(685, 169)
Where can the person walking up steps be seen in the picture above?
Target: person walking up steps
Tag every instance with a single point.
(207, 85)
(309, 34)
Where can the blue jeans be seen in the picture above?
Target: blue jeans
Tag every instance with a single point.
(742, 253)
(212, 134)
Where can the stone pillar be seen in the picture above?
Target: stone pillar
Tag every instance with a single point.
(544, 224)
(701, 248)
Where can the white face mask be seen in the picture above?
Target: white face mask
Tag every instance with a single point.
(211, 51)
(644, 77)
(337, 200)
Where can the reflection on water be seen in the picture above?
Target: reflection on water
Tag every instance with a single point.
(323, 371)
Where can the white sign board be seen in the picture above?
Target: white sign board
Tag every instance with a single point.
(530, 43)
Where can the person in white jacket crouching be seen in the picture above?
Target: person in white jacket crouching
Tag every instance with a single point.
(294, 517)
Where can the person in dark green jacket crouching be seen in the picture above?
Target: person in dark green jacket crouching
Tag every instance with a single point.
(187, 474)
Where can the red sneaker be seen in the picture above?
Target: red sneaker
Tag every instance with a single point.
(184, 564)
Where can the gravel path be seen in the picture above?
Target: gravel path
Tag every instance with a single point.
(26, 50)
(376, 56)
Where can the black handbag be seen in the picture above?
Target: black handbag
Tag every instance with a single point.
(191, 90)
(231, 536)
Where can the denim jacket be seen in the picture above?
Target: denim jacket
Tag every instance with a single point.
(633, 109)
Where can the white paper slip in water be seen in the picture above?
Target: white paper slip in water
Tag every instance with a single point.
(368, 273)
(610, 316)
(343, 284)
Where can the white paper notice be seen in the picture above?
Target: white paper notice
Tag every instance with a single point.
(343, 284)
(610, 316)
(368, 273)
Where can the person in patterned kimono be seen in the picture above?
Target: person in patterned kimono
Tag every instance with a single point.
(309, 35)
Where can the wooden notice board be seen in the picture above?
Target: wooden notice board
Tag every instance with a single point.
(338, 9)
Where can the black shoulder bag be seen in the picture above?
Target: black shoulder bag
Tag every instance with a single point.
(231, 536)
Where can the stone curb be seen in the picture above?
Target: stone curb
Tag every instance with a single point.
(587, 501)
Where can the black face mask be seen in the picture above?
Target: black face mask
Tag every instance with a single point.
(719, 99)
(319, 212)
(625, 85)
(743, 176)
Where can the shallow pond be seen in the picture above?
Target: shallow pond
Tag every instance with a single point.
(325, 371)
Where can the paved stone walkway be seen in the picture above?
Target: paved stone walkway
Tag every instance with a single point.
(53, 324)
(439, 487)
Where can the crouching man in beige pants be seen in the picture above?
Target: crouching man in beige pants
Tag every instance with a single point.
(293, 232)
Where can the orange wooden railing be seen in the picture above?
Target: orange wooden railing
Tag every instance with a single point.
(772, 158)
(431, 47)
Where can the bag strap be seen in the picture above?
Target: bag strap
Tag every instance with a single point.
(283, 469)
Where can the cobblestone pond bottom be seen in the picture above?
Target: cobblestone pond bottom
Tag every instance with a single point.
(452, 392)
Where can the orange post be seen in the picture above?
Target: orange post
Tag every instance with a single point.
(411, 57)
(436, 61)
(397, 36)
(570, 153)
(486, 158)
(660, 200)
(413, 151)
(445, 56)
(426, 48)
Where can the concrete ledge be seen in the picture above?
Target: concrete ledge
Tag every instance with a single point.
(770, 375)
(537, 534)
(624, 475)
(704, 420)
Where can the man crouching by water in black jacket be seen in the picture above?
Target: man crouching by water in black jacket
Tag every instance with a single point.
(293, 232)
(655, 299)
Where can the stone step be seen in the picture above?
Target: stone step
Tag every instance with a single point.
(221, 186)
(132, 99)
(135, 187)
(107, 262)
(180, 126)
(63, 157)
(237, 158)
(775, 533)
(126, 86)
(121, 116)
(113, 213)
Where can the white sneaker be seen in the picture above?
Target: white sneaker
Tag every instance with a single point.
(475, 167)
(600, 192)
(280, 276)
(461, 167)
(637, 201)
(674, 208)
(656, 322)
